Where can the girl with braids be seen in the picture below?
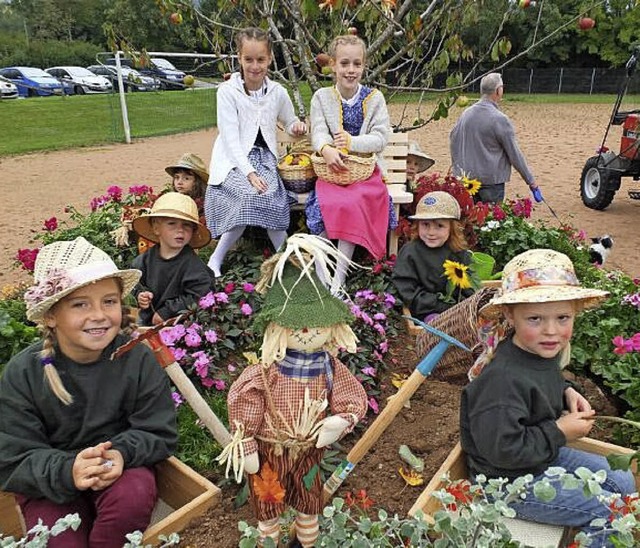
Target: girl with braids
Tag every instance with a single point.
(245, 187)
(79, 432)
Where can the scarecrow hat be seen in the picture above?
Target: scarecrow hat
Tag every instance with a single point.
(191, 162)
(173, 205)
(437, 205)
(64, 266)
(423, 159)
(540, 276)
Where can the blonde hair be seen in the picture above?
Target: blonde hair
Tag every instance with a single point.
(456, 241)
(253, 33)
(347, 40)
(47, 354)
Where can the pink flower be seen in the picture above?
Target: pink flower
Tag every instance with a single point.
(98, 202)
(51, 224)
(247, 287)
(27, 258)
(369, 371)
(384, 347)
(221, 298)
(231, 368)
(192, 339)
(211, 336)
(207, 301)
(207, 382)
(179, 331)
(622, 346)
(177, 399)
(498, 213)
(115, 192)
(178, 353)
(246, 309)
(202, 365)
(380, 316)
(389, 300)
(140, 190)
(219, 384)
(366, 318)
(229, 287)
(374, 405)
(167, 337)
(379, 328)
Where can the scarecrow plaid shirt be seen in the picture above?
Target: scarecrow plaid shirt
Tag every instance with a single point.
(248, 403)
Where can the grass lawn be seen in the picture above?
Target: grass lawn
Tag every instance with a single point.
(49, 123)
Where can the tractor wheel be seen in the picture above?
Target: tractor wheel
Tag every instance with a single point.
(598, 185)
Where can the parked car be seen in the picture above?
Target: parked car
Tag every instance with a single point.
(83, 80)
(161, 69)
(7, 89)
(132, 80)
(32, 82)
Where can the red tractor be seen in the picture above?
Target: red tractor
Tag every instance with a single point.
(601, 174)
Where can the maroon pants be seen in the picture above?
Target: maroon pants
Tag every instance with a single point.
(107, 516)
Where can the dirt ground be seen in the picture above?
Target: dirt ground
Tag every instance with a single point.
(556, 139)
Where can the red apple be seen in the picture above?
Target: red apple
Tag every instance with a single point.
(352, 30)
(176, 18)
(586, 23)
(323, 59)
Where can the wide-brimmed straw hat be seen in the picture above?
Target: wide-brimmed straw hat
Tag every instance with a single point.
(437, 205)
(62, 267)
(423, 159)
(192, 162)
(540, 276)
(173, 205)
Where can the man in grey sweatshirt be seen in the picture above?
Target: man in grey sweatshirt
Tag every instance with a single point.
(484, 147)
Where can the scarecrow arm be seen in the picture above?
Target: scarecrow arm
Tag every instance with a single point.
(246, 405)
(348, 399)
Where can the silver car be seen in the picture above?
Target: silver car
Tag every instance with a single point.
(82, 80)
(7, 89)
(132, 80)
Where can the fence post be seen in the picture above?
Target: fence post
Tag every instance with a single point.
(593, 78)
(530, 80)
(560, 81)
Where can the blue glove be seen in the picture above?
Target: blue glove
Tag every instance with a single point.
(537, 194)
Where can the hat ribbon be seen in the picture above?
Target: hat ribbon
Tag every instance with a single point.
(545, 276)
(169, 212)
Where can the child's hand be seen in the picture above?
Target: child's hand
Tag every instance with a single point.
(112, 468)
(144, 299)
(575, 401)
(333, 159)
(88, 466)
(341, 140)
(299, 128)
(576, 425)
(257, 182)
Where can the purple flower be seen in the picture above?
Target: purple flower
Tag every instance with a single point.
(384, 347)
(192, 339)
(207, 301)
(211, 336)
(179, 331)
(366, 318)
(177, 399)
(115, 192)
(389, 299)
(356, 311)
(247, 287)
(167, 337)
(231, 368)
(374, 405)
(221, 297)
(178, 353)
(379, 316)
(246, 309)
(219, 384)
(369, 371)
(379, 328)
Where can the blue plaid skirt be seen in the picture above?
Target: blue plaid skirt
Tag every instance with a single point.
(236, 203)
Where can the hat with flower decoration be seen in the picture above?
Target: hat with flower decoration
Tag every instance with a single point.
(64, 266)
(294, 297)
(540, 276)
(437, 205)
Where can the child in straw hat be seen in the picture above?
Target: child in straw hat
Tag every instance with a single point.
(173, 276)
(417, 162)
(66, 444)
(419, 272)
(189, 175)
(518, 414)
(278, 408)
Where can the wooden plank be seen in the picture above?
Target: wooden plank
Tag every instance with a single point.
(11, 522)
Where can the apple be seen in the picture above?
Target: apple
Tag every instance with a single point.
(526, 3)
(176, 18)
(323, 59)
(326, 70)
(586, 23)
(188, 80)
(226, 76)
(462, 101)
(352, 30)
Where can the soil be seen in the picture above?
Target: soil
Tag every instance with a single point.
(556, 139)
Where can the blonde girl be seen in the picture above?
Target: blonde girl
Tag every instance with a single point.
(244, 187)
(66, 444)
(438, 236)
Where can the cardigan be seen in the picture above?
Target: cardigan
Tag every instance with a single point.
(240, 119)
(484, 147)
(126, 400)
(326, 121)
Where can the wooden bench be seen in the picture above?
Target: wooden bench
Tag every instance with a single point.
(183, 495)
(395, 163)
(529, 533)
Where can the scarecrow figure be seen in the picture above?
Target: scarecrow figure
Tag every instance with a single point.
(278, 409)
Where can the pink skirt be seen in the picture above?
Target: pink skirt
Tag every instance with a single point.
(357, 213)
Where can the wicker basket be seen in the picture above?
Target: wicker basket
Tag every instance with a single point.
(460, 321)
(297, 178)
(360, 167)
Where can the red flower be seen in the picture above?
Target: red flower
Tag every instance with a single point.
(229, 288)
(27, 258)
(461, 491)
(498, 213)
(377, 268)
(51, 224)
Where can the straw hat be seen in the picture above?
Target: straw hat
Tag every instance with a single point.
(424, 160)
(174, 206)
(437, 205)
(62, 267)
(192, 162)
(540, 276)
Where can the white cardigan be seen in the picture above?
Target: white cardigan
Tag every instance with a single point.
(239, 117)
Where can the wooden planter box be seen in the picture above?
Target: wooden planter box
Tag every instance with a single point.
(529, 533)
(183, 495)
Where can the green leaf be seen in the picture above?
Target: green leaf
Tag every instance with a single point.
(310, 476)
(242, 496)
(621, 462)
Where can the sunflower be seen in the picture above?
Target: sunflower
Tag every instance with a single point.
(457, 274)
(472, 185)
